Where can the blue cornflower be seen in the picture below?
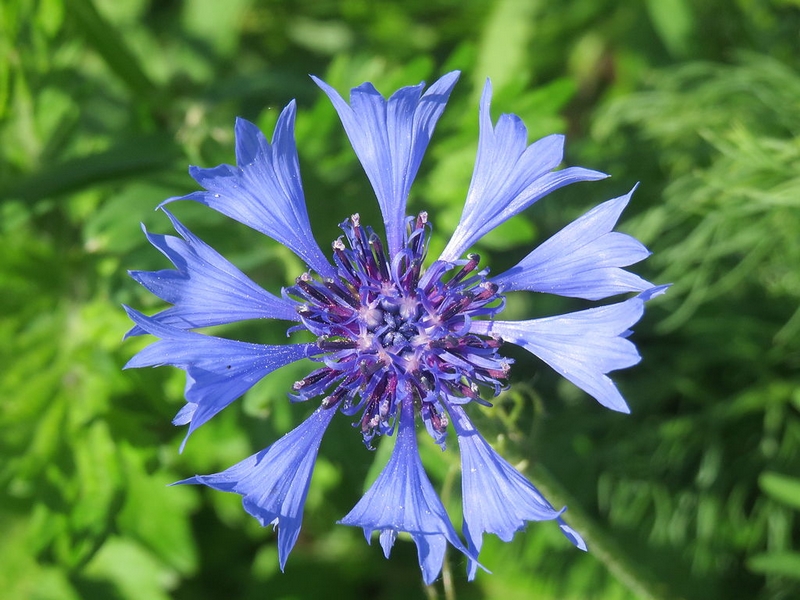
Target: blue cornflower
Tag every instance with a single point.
(396, 341)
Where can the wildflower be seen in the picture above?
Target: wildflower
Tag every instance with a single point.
(397, 340)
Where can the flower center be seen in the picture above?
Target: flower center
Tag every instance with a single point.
(389, 332)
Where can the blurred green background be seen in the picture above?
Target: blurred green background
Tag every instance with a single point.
(104, 103)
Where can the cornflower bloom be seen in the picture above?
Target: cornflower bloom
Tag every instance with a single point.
(396, 341)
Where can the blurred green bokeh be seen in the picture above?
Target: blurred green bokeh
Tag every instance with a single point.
(104, 103)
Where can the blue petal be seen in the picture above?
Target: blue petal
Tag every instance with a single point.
(403, 499)
(390, 138)
(497, 498)
(274, 482)
(582, 260)
(509, 176)
(205, 289)
(582, 346)
(218, 371)
(264, 190)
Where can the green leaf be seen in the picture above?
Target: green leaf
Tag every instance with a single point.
(126, 159)
(782, 488)
(50, 16)
(674, 22)
(21, 575)
(109, 229)
(776, 563)
(215, 22)
(134, 572)
(98, 478)
(504, 44)
(156, 515)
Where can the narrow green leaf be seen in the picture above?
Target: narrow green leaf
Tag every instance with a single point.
(504, 44)
(782, 488)
(776, 563)
(129, 157)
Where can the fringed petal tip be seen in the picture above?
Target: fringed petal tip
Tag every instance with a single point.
(133, 331)
(572, 535)
(586, 259)
(582, 346)
(387, 539)
(274, 482)
(403, 499)
(204, 288)
(653, 292)
(389, 137)
(264, 189)
(140, 327)
(195, 480)
(497, 498)
(250, 142)
(509, 176)
(218, 370)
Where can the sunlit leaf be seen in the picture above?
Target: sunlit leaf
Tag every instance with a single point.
(776, 563)
(783, 488)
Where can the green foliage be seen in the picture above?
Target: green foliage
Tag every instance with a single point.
(102, 106)
(726, 231)
(732, 157)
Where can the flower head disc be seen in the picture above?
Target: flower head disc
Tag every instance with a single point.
(394, 338)
(390, 330)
